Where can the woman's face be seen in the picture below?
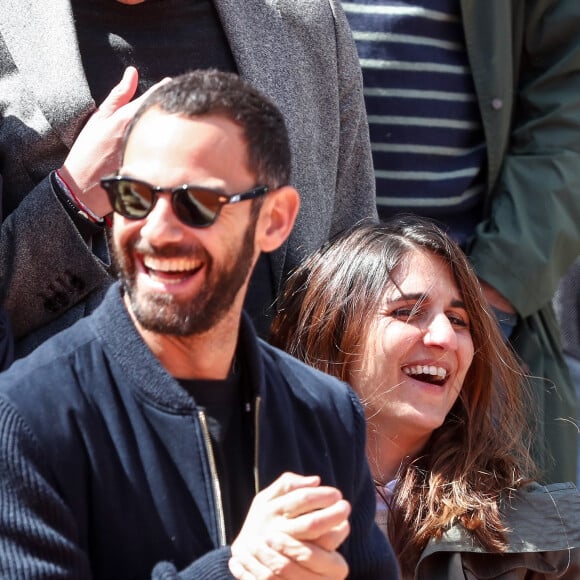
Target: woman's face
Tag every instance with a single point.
(417, 352)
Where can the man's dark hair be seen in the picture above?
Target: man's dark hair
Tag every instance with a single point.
(211, 92)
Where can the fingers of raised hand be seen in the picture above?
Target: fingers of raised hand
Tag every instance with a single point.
(304, 512)
(121, 93)
(119, 104)
(96, 150)
(304, 500)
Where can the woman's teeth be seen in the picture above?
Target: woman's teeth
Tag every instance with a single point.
(429, 373)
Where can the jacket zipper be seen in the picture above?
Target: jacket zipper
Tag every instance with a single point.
(256, 444)
(214, 480)
(213, 469)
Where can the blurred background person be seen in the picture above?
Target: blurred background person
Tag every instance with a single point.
(63, 111)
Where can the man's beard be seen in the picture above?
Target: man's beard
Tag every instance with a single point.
(163, 314)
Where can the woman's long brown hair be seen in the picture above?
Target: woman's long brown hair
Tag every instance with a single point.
(481, 451)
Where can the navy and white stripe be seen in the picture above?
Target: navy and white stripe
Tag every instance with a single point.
(426, 134)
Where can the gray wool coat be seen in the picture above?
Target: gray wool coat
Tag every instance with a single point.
(298, 52)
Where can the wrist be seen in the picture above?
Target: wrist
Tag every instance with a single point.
(65, 182)
(89, 197)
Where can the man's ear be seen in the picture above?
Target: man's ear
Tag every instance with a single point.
(277, 217)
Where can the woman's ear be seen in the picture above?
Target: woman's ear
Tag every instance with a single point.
(277, 217)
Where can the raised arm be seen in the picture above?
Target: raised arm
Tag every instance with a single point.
(53, 259)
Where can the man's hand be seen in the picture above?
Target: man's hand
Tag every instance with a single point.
(292, 531)
(95, 153)
(504, 311)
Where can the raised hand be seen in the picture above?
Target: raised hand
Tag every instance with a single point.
(95, 152)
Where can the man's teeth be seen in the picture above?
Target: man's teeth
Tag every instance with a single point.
(438, 372)
(171, 265)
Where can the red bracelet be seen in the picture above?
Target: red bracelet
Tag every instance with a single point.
(86, 212)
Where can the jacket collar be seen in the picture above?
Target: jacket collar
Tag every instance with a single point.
(141, 370)
(541, 519)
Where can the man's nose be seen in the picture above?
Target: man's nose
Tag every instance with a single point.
(440, 332)
(161, 224)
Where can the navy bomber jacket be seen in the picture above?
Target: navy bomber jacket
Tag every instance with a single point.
(104, 471)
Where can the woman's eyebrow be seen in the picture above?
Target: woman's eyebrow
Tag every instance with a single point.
(406, 297)
(416, 296)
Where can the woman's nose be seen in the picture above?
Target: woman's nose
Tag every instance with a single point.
(440, 332)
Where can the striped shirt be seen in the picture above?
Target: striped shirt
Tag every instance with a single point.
(425, 126)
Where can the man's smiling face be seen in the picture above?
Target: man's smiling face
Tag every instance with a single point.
(182, 280)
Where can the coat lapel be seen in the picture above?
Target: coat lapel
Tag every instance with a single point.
(261, 42)
(253, 28)
(53, 74)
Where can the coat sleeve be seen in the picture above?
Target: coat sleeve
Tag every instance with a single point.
(531, 235)
(367, 550)
(39, 535)
(46, 267)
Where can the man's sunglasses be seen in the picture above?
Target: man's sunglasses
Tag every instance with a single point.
(197, 207)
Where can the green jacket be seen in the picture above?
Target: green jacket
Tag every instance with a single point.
(544, 542)
(525, 59)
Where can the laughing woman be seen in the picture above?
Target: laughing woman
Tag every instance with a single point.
(396, 311)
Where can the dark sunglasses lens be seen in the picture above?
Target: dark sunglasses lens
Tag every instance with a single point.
(133, 199)
(196, 207)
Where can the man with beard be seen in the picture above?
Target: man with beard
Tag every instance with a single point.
(159, 436)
